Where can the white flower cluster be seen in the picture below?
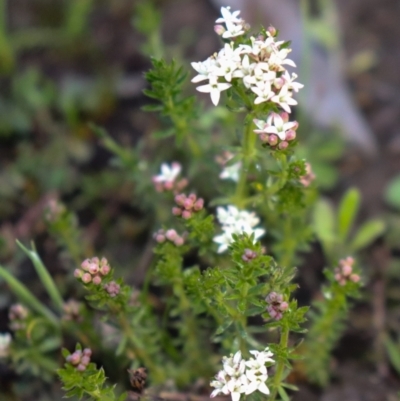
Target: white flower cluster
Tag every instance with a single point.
(259, 63)
(235, 221)
(240, 376)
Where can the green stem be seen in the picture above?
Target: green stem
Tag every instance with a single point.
(248, 149)
(280, 365)
(140, 350)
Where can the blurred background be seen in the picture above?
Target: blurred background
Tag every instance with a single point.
(66, 64)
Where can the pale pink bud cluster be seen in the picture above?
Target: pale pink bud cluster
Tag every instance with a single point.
(276, 131)
(80, 359)
(170, 235)
(72, 310)
(344, 272)
(167, 180)
(112, 288)
(54, 210)
(277, 306)
(249, 255)
(93, 270)
(187, 205)
(309, 177)
(17, 315)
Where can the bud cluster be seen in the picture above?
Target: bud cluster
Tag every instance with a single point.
(276, 131)
(72, 310)
(276, 305)
(112, 288)
(54, 210)
(187, 205)
(80, 359)
(92, 270)
(344, 272)
(171, 235)
(17, 315)
(249, 255)
(309, 177)
(167, 179)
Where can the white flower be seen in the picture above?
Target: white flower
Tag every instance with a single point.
(235, 221)
(284, 99)
(214, 88)
(243, 377)
(228, 17)
(168, 173)
(204, 68)
(231, 172)
(275, 125)
(219, 384)
(234, 366)
(289, 81)
(5, 341)
(263, 92)
(232, 31)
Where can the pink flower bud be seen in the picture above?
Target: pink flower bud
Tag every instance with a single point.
(219, 29)
(283, 306)
(290, 135)
(78, 273)
(347, 270)
(179, 241)
(160, 238)
(171, 235)
(74, 358)
(86, 278)
(95, 260)
(85, 360)
(93, 268)
(87, 352)
(186, 214)
(96, 280)
(168, 185)
(179, 199)
(104, 270)
(264, 137)
(273, 139)
(355, 278)
(176, 211)
(283, 145)
(285, 116)
(85, 264)
(272, 31)
(81, 368)
(103, 261)
(188, 204)
(198, 205)
(193, 197)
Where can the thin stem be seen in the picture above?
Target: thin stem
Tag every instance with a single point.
(248, 149)
(280, 365)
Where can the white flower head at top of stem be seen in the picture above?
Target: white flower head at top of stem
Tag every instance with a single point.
(5, 342)
(240, 376)
(235, 221)
(259, 63)
(168, 172)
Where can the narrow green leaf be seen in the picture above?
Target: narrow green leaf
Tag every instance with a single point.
(324, 223)
(367, 233)
(393, 351)
(44, 276)
(27, 298)
(284, 395)
(348, 209)
(392, 192)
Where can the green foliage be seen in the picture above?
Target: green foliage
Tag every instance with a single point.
(89, 383)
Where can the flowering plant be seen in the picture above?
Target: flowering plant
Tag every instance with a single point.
(225, 252)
